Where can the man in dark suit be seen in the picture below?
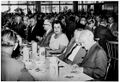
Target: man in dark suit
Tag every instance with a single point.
(95, 61)
(74, 53)
(33, 30)
(47, 36)
(18, 26)
(102, 35)
(112, 25)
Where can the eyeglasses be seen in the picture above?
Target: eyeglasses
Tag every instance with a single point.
(45, 24)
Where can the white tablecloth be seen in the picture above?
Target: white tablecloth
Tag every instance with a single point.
(65, 74)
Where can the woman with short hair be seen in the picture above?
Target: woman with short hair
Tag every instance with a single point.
(59, 40)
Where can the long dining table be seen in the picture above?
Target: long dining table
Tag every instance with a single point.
(41, 71)
(51, 68)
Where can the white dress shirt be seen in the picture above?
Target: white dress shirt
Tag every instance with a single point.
(74, 52)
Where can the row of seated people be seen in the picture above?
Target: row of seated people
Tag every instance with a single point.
(88, 54)
(24, 24)
(57, 40)
(56, 43)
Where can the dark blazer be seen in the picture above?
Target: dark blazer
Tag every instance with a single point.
(114, 27)
(46, 39)
(95, 62)
(19, 28)
(104, 34)
(78, 57)
(69, 47)
(32, 34)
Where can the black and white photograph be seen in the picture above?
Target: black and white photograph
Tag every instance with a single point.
(59, 40)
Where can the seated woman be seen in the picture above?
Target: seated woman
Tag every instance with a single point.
(59, 40)
(11, 69)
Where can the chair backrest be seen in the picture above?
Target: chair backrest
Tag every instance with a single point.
(107, 70)
(112, 47)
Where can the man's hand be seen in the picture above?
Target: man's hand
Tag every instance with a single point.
(76, 68)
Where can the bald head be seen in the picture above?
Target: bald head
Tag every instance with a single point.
(86, 38)
(86, 34)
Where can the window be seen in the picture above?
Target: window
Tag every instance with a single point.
(4, 8)
(13, 7)
(46, 9)
(32, 8)
(88, 2)
(79, 7)
(92, 7)
(13, 2)
(66, 7)
(45, 2)
(66, 2)
(79, 2)
(55, 2)
(24, 8)
(4, 2)
(22, 2)
(85, 7)
(55, 8)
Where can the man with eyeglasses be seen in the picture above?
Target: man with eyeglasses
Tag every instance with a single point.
(49, 31)
(11, 69)
(34, 31)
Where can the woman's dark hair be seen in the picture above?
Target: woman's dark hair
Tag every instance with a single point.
(58, 22)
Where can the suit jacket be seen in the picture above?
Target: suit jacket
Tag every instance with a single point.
(95, 62)
(19, 28)
(114, 27)
(46, 39)
(103, 33)
(33, 33)
(78, 57)
(69, 47)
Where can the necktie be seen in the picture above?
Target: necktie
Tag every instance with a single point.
(71, 50)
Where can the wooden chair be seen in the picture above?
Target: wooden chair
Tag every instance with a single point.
(107, 70)
(112, 48)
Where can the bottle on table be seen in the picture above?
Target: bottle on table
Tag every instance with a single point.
(25, 53)
(53, 68)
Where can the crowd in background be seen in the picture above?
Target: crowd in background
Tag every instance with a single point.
(21, 23)
(70, 20)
